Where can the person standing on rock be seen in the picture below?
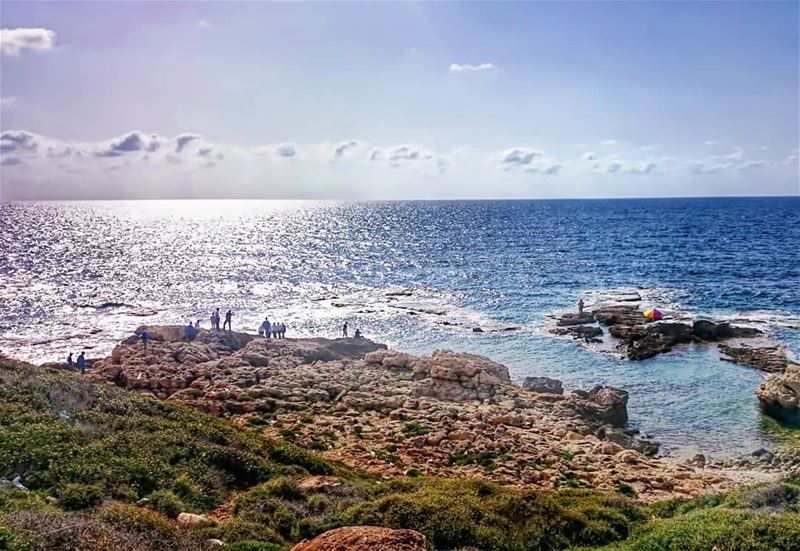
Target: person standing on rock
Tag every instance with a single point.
(275, 330)
(70, 363)
(265, 327)
(580, 305)
(81, 363)
(228, 316)
(282, 329)
(215, 320)
(190, 332)
(344, 330)
(145, 336)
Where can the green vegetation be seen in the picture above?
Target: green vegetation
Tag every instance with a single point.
(89, 471)
(416, 429)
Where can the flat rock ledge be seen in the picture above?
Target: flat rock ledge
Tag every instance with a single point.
(640, 338)
(392, 413)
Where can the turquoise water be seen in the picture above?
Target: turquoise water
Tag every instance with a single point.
(85, 274)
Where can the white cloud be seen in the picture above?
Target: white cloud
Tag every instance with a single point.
(6, 101)
(518, 156)
(711, 142)
(467, 68)
(203, 24)
(793, 159)
(717, 164)
(527, 160)
(609, 143)
(343, 148)
(14, 41)
(589, 156)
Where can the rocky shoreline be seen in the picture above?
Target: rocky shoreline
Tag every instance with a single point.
(638, 338)
(390, 413)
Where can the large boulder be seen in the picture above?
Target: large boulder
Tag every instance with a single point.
(602, 405)
(779, 397)
(365, 538)
(706, 330)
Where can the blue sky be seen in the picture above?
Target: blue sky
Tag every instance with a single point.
(399, 100)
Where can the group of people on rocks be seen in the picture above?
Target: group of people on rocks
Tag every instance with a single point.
(79, 362)
(272, 330)
(215, 317)
(267, 329)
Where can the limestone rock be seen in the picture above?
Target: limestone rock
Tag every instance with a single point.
(779, 397)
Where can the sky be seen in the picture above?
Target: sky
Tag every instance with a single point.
(406, 100)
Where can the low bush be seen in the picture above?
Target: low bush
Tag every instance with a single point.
(467, 513)
(167, 503)
(74, 497)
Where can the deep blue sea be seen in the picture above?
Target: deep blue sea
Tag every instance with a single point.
(419, 276)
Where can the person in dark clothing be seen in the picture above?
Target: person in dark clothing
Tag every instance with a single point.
(190, 332)
(358, 334)
(70, 361)
(344, 330)
(228, 316)
(81, 363)
(145, 336)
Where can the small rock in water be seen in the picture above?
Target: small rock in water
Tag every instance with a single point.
(477, 330)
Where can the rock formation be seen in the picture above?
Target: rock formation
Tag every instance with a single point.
(780, 396)
(392, 413)
(641, 338)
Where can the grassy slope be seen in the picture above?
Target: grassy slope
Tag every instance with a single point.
(89, 471)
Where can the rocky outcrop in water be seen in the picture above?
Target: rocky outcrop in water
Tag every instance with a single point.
(641, 338)
(780, 396)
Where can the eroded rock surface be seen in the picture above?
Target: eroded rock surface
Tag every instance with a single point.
(780, 396)
(392, 413)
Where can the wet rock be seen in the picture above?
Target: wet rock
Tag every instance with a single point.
(544, 385)
(574, 318)
(762, 354)
(588, 334)
(365, 538)
(710, 331)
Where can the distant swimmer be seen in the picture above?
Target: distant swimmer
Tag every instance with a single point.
(358, 334)
(190, 332)
(70, 361)
(344, 330)
(145, 336)
(580, 305)
(265, 328)
(228, 316)
(81, 363)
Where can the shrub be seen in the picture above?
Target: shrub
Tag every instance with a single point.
(166, 502)
(719, 528)
(415, 429)
(138, 519)
(74, 497)
(456, 513)
(626, 490)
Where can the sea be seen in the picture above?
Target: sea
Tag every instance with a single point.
(421, 276)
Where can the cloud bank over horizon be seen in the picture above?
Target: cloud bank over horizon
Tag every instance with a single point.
(398, 100)
(149, 165)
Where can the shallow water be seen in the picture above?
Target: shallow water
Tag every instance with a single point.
(71, 269)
